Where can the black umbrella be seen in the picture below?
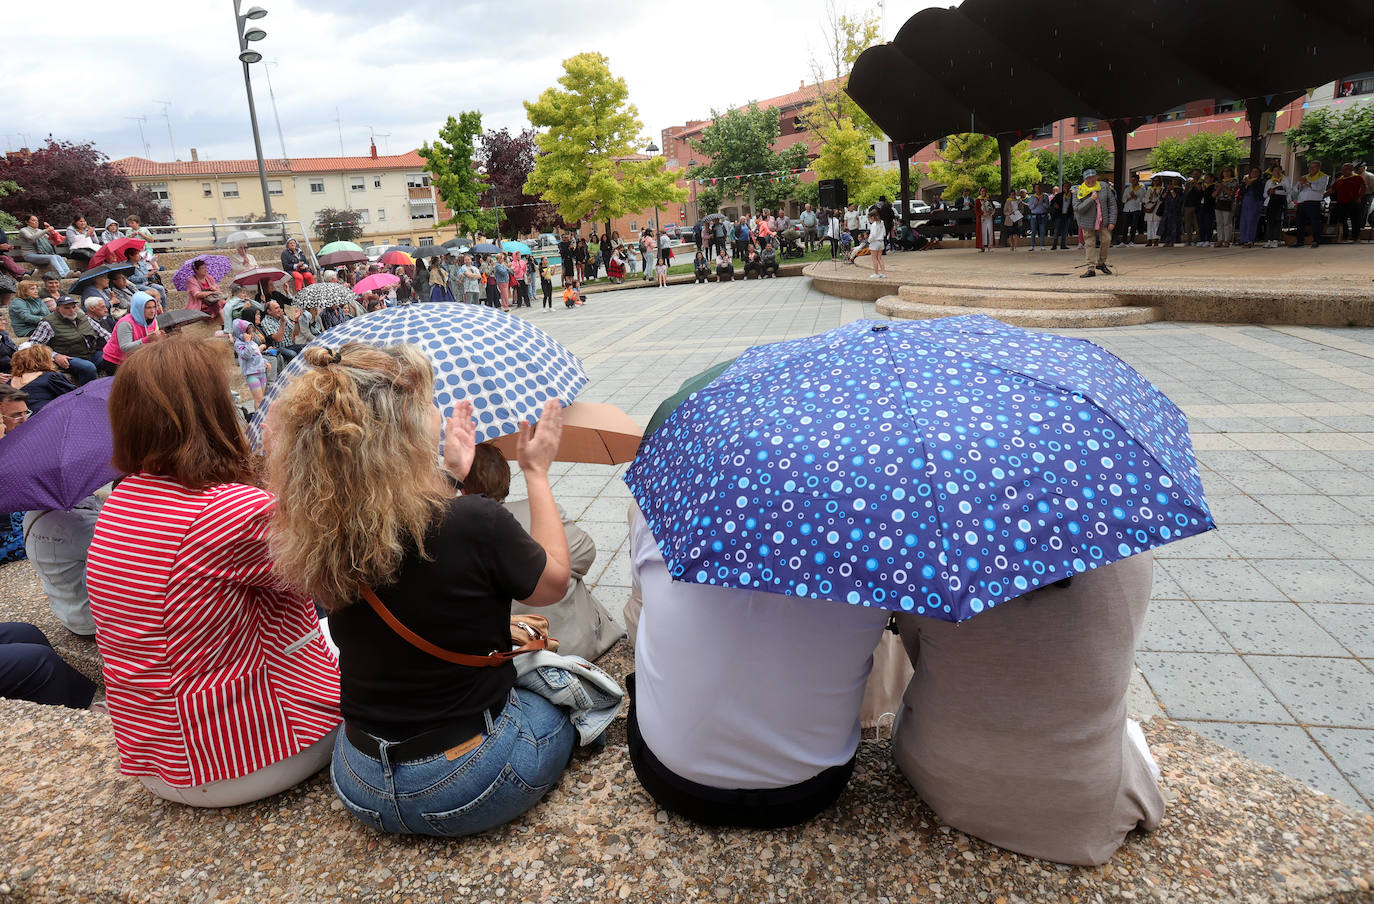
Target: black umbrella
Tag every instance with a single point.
(103, 270)
(431, 251)
(459, 242)
(170, 319)
(405, 249)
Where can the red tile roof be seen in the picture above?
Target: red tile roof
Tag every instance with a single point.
(140, 166)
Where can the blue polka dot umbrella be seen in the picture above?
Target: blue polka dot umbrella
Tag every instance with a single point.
(938, 467)
(505, 365)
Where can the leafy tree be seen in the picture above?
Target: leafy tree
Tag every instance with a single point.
(61, 180)
(587, 163)
(885, 181)
(508, 160)
(454, 176)
(1095, 156)
(970, 162)
(845, 38)
(739, 143)
(7, 221)
(333, 224)
(1201, 150)
(1344, 137)
(844, 156)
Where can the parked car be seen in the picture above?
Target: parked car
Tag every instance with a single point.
(546, 240)
(375, 251)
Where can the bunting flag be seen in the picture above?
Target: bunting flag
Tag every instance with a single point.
(1130, 134)
(1236, 119)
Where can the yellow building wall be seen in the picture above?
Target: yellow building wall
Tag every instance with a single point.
(190, 207)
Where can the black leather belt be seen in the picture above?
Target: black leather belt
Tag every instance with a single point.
(457, 733)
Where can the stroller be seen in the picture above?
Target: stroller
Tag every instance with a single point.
(790, 242)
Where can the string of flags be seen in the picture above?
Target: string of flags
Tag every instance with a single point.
(773, 176)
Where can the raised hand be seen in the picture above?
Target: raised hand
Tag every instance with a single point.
(460, 440)
(538, 447)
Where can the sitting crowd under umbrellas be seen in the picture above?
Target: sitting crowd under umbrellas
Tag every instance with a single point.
(402, 585)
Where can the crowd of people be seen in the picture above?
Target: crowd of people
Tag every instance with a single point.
(350, 601)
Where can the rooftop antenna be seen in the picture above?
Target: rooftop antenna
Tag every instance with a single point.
(167, 116)
(382, 135)
(338, 121)
(267, 70)
(147, 149)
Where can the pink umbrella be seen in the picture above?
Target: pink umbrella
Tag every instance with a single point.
(255, 275)
(376, 281)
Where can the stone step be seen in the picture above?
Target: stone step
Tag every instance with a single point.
(1029, 299)
(894, 306)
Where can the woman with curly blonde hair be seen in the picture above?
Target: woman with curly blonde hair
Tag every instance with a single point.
(367, 511)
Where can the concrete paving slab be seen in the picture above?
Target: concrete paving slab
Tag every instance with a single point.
(1273, 628)
(1337, 693)
(1287, 748)
(1214, 686)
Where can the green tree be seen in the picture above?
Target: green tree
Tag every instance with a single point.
(844, 156)
(739, 145)
(1094, 156)
(585, 166)
(1344, 137)
(845, 38)
(8, 187)
(885, 181)
(449, 162)
(333, 224)
(970, 161)
(1206, 151)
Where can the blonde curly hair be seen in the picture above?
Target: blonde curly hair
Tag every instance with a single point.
(353, 460)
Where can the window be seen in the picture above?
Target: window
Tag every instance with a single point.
(417, 180)
(362, 217)
(158, 189)
(1045, 131)
(426, 240)
(1230, 106)
(1086, 124)
(1356, 84)
(376, 181)
(317, 186)
(357, 183)
(892, 150)
(206, 190)
(872, 154)
(229, 189)
(381, 214)
(634, 225)
(274, 186)
(942, 144)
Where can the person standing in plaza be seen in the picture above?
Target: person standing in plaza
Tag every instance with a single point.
(1061, 215)
(1171, 213)
(809, 223)
(877, 233)
(851, 219)
(1366, 199)
(1311, 189)
(1039, 216)
(1276, 192)
(1346, 194)
(1192, 197)
(1251, 206)
(1011, 220)
(1132, 210)
(1224, 194)
(1206, 212)
(1095, 210)
(983, 211)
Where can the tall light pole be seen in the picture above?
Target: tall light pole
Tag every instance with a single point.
(652, 148)
(246, 56)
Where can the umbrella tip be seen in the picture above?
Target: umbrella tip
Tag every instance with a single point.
(880, 328)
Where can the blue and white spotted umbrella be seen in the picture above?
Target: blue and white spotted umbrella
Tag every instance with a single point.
(939, 467)
(506, 366)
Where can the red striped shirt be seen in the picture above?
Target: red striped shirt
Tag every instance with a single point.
(212, 668)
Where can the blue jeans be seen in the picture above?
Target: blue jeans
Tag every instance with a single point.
(52, 260)
(1039, 228)
(83, 369)
(519, 760)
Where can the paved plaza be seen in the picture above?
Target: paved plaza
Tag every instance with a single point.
(1260, 635)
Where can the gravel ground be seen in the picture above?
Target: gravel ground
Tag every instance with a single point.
(74, 829)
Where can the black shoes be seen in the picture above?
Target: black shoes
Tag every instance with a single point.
(1103, 268)
(1086, 273)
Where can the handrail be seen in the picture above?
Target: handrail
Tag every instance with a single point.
(196, 236)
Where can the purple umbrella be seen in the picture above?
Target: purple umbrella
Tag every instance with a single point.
(216, 265)
(60, 455)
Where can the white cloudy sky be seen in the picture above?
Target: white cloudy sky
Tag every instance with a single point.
(400, 68)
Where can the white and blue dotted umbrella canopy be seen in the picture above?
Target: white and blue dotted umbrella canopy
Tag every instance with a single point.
(507, 367)
(939, 467)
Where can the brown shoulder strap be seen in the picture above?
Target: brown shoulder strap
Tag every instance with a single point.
(492, 659)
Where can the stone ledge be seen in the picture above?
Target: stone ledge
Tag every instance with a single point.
(77, 830)
(1007, 298)
(1045, 319)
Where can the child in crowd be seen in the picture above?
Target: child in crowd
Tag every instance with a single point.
(248, 347)
(570, 296)
(546, 282)
(661, 271)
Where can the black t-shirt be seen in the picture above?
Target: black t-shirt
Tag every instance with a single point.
(480, 560)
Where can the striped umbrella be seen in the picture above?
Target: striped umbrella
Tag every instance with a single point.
(506, 366)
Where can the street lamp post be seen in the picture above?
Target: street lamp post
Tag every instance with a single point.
(246, 56)
(652, 148)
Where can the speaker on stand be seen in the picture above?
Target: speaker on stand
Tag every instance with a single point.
(833, 195)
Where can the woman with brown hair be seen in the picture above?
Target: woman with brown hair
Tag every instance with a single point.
(365, 513)
(33, 371)
(221, 688)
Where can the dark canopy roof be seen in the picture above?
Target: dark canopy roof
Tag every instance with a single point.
(1003, 67)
